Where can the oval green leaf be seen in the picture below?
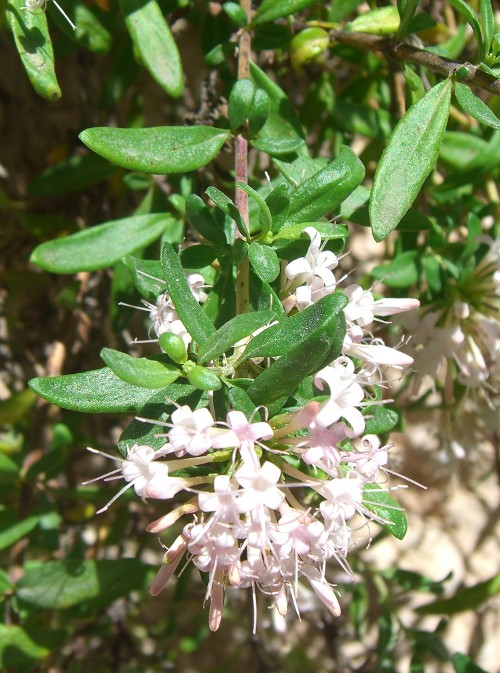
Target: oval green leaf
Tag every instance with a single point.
(140, 372)
(160, 150)
(100, 246)
(408, 159)
(70, 175)
(31, 35)
(382, 504)
(155, 44)
(264, 261)
(95, 391)
(63, 584)
(475, 107)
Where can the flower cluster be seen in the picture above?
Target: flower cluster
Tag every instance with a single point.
(283, 492)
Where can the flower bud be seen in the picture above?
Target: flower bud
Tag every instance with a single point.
(308, 45)
(173, 346)
(203, 378)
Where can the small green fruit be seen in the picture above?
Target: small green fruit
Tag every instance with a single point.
(203, 378)
(307, 46)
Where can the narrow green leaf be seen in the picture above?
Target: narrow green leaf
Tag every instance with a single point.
(277, 147)
(64, 584)
(31, 36)
(89, 32)
(231, 332)
(196, 321)
(382, 504)
(266, 220)
(160, 150)
(294, 330)
(154, 42)
(16, 407)
(475, 107)
(325, 191)
(408, 159)
(240, 401)
(100, 246)
(201, 219)
(141, 372)
(95, 391)
(488, 23)
(264, 261)
(469, 598)
(276, 9)
(380, 21)
(285, 374)
(471, 17)
(14, 532)
(224, 203)
(147, 276)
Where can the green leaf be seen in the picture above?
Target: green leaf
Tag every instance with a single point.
(155, 44)
(469, 598)
(141, 372)
(401, 272)
(471, 17)
(231, 332)
(16, 407)
(224, 203)
(89, 32)
(196, 321)
(32, 39)
(266, 220)
(325, 191)
(277, 147)
(285, 374)
(240, 401)
(160, 150)
(264, 261)
(276, 9)
(488, 23)
(100, 246)
(282, 121)
(21, 646)
(326, 230)
(64, 584)
(201, 219)
(236, 13)
(464, 664)
(408, 159)
(13, 532)
(98, 390)
(382, 420)
(240, 102)
(383, 505)
(69, 176)
(475, 107)
(147, 276)
(259, 112)
(290, 332)
(381, 21)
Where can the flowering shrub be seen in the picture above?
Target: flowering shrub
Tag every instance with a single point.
(272, 363)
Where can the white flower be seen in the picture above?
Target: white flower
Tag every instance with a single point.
(191, 431)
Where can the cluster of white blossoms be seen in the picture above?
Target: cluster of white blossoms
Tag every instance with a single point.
(286, 493)
(465, 334)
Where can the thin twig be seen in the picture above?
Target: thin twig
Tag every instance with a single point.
(408, 54)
